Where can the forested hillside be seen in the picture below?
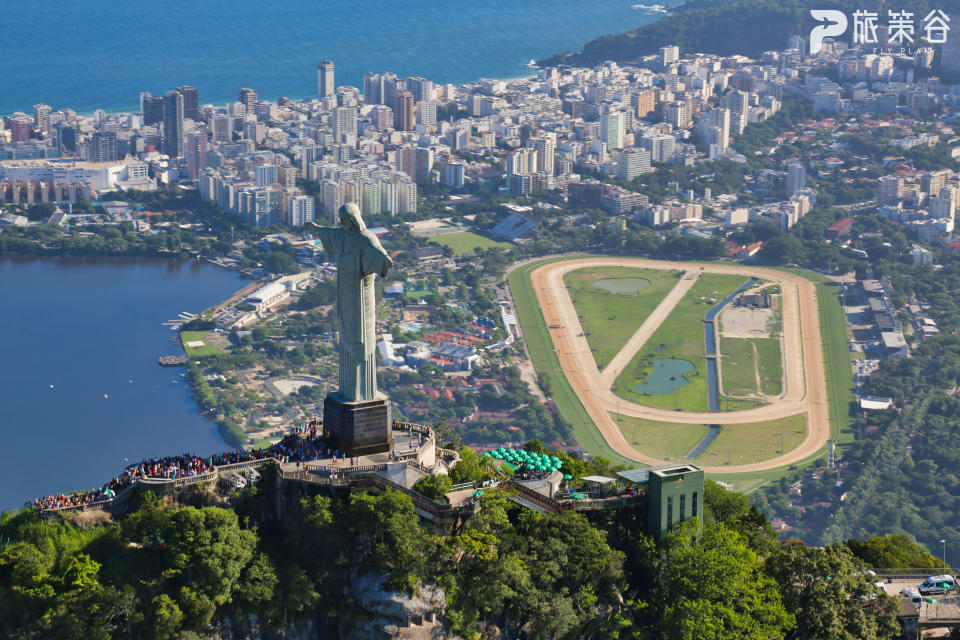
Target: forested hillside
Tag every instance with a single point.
(168, 570)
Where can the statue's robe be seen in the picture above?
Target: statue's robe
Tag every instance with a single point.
(359, 257)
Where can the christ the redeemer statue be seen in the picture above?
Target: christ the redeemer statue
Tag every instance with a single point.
(359, 257)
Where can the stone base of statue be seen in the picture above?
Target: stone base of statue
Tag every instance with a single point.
(358, 428)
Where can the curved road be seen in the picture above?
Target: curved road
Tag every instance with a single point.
(805, 387)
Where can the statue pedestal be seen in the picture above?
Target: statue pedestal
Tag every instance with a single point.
(358, 428)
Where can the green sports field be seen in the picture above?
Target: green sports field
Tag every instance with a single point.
(464, 242)
(609, 319)
(198, 336)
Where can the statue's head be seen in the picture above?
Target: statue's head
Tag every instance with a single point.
(350, 218)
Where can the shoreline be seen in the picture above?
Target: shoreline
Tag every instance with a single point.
(132, 110)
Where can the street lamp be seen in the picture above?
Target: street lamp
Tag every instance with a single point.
(944, 543)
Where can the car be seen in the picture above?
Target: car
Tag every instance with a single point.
(937, 585)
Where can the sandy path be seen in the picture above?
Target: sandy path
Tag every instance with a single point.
(576, 360)
(651, 324)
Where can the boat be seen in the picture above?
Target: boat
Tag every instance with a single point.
(51, 386)
(105, 396)
(658, 8)
(532, 63)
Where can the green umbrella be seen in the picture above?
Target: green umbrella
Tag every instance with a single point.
(567, 476)
(477, 493)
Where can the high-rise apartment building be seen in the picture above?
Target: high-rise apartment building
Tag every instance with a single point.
(19, 125)
(265, 175)
(299, 210)
(660, 145)
(195, 153)
(41, 118)
(191, 103)
(66, 139)
(406, 196)
(796, 178)
(382, 117)
(632, 163)
(452, 173)
(391, 85)
(173, 124)
(676, 114)
(421, 88)
(668, 55)
(427, 112)
(404, 117)
(889, 188)
(249, 99)
(325, 85)
(222, 128)
(343, 122)
(373, 88)
(931, 182)
(643, 102)
(152, 110)
(103, 147)
(546, 151)
(612, 129)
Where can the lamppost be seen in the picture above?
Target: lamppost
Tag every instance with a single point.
(944, 543)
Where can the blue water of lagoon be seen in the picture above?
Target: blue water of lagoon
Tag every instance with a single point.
(627, 286)
(667, 377)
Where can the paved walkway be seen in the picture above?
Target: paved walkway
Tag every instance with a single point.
(804, 387)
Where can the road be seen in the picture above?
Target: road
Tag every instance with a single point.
(804, 389)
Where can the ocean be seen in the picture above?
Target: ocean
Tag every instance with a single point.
(100, 55)
(90, 326)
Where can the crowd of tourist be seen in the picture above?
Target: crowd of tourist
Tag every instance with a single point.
(302, 445)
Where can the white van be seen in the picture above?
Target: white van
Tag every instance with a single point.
(913, 594)
(937, 585)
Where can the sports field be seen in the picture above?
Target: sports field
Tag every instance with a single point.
(191, 340)
(464, 242)
(680, 337)
(609, 316)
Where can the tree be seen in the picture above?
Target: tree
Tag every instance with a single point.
(737, 513)
(472, 468)
(714, 588)
(434, 487)
(893, 551)
(207, 551)
(831, 594)
(41, 211)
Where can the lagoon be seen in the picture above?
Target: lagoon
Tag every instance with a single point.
(88, 326)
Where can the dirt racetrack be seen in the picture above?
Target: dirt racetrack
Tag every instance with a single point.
(804, 386)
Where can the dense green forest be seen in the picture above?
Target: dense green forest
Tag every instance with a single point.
(724, 27)
(192, 568)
